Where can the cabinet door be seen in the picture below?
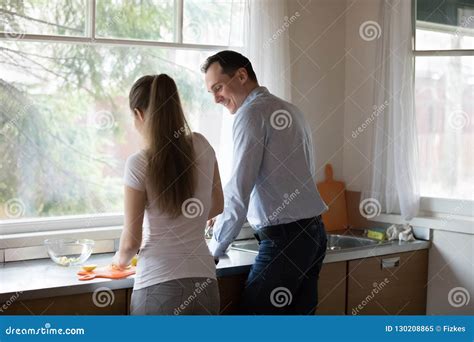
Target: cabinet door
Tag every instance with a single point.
(332, 289)
(230, 292)
(129, 300)
(388, 285)
(98, 303)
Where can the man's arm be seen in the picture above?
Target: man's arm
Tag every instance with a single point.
(217, 197)
(249, 139)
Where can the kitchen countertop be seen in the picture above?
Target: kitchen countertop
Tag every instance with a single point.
(43, 278)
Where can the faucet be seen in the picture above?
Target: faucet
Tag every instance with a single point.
(208, 232)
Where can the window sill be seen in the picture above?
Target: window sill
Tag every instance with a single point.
(60, 223)
(28, 246)
(446, 222)
(37, 238)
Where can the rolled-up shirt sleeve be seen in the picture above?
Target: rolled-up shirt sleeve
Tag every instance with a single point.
(249, 145)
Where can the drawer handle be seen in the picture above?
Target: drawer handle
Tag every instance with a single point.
(390, 262)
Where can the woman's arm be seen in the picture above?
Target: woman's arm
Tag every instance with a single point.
(131, 238)
(217, 205)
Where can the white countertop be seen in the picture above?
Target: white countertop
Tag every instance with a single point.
(43, 278)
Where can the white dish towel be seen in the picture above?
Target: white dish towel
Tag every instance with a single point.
(402, 232)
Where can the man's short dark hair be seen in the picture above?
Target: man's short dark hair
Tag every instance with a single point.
(230, 61)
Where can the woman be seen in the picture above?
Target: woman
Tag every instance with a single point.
(172, 188)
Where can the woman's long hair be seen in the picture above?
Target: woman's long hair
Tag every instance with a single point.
(171, 169)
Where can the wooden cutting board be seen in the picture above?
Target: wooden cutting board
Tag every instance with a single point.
(334, 194)
(106, 272)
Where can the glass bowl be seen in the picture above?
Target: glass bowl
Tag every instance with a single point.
(69, 252)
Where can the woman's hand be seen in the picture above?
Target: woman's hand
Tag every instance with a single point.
(210, 223)
(116, 263)
(208, 231)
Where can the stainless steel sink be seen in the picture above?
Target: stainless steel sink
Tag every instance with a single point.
(335, 243)
(246, 246)
(339, 242)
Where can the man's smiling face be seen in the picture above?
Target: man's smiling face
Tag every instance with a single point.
(227, 91)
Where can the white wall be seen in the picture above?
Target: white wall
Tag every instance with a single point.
(360, 64)
(450, 266)
(316, 46)
(326, 47)
(330, 69)
(451, 255)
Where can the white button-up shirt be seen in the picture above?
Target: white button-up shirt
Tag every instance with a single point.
(273, 172)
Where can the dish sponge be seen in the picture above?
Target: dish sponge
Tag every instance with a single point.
(377, 234)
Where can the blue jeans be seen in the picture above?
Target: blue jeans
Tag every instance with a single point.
(284, 278)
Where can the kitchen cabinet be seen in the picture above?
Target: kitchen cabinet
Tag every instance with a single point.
(392, 284)
(78, 304)
(230, 291)
(332, 289)
(129, 300)
(383, 285)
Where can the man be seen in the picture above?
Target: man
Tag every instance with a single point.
(272, 185)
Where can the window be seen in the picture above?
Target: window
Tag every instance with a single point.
(212, 31)
(124, 19)
(65, 126)
(55, 17)
(444, 96)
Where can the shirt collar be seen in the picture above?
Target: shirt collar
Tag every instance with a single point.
(253, 94)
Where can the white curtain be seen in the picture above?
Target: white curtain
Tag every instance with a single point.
(394, 176)
(266, 43)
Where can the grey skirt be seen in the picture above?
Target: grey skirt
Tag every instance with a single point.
(187, 296)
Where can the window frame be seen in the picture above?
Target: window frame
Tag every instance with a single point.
(91, 38)
(93, 221)
(438, 205)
